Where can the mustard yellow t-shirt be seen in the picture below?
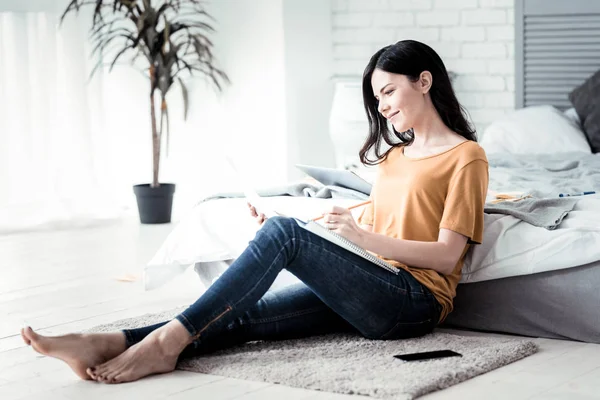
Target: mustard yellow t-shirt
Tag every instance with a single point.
(413, 198)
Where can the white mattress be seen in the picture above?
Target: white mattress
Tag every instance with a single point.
(512, 247)
(219, 230)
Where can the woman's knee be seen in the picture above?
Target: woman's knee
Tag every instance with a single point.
(280, 226)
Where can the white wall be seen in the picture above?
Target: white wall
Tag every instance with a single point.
(275, 112)
(308, 82)
(248, 119)
(475, 38)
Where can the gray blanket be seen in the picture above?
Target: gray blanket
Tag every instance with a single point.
(547, 213)
(299, 189)
(543, 177)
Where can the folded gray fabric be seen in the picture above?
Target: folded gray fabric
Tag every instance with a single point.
(538, 211)
(298, 189)
(543, 212)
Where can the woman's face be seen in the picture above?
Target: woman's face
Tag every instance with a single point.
(401, 101)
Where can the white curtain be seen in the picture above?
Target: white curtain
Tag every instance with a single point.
(58, 166)
(71, 148)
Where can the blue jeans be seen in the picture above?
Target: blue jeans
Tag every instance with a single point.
(340, 292)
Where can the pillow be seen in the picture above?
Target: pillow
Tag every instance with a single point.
(534, 130)
(586, 100)
(572, 115)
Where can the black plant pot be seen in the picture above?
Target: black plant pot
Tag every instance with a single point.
(154, 204)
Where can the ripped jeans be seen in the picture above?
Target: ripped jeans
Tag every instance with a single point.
(340, 292)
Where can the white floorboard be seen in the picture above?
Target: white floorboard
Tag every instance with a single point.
(65, 281)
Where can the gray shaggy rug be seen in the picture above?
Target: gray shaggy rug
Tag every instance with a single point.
(350, 364)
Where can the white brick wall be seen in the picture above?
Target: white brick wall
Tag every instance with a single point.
(475, 38)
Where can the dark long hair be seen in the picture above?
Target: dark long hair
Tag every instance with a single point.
(410, 58)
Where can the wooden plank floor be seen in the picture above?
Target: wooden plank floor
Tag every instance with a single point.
(64, 281)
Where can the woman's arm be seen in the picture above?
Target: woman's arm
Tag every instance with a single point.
(440, 256)
(368, 228)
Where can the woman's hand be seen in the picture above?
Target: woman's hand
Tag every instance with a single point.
(260, 218)
(341, 221)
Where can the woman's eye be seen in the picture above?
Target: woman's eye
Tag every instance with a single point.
(389, 92)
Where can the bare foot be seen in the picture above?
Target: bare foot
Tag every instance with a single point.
(156, 354)
(79, 351)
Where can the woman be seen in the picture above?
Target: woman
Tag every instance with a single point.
(427, 206)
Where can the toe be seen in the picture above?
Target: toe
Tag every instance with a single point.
(91, 371)
(30, 333)
(39, 342)
(25, 338)
(125, 376)
(109, 378)
(103, 376)
(100, 376)
(101, 369)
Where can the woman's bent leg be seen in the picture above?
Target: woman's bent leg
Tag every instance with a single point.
(378, 303)
(287, 313)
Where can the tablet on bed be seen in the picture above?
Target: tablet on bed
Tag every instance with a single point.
(337, 177)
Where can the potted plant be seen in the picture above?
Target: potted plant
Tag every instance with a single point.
(169, 37)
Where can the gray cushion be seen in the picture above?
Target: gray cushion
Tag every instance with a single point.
(586, 100)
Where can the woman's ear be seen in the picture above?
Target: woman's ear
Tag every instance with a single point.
(425, 81)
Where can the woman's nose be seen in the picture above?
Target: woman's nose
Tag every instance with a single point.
(381, 107)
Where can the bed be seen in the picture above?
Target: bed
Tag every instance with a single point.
(537, 282)
(523, 279)
(556, 49)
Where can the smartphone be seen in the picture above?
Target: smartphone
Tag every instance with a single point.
(428, 355)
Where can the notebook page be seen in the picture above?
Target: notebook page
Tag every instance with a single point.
(253, 198)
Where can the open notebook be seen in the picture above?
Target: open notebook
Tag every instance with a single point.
(341, 241)
(261, 206)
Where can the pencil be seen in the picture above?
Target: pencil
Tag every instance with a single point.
(349, 208)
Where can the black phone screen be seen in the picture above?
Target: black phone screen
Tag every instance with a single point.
(428, 355)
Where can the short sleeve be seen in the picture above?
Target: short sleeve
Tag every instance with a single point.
(366, 216)
(465, 201)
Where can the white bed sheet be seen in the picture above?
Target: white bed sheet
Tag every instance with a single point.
(219, 230)
(512, 247)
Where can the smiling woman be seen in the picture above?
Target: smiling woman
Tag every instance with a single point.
(427, 200)
(403, 81)
(424, 213)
